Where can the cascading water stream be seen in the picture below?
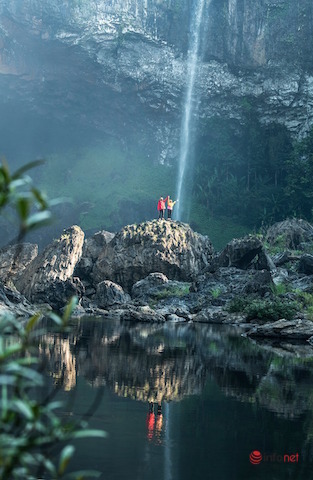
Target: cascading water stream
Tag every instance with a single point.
(188, 105)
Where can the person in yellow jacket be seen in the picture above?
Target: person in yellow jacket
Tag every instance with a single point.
(170, 205)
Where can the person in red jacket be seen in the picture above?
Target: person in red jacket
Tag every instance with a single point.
(161, 207)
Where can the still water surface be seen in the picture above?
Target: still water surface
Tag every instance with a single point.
(182, 402)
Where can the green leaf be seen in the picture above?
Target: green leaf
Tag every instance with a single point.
(27, 373)
(70, 307)
(7, 380)
(55, 318)
(27, 167)
(21, 182)
(23, 207)
(4, 169)
(65, 458)
(11, 350)
(24, 408)
(38, 219)
(32, 322)
(40, 199)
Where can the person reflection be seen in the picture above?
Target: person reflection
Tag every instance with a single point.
(154, 425)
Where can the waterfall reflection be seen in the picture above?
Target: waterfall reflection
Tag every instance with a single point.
(157, 364)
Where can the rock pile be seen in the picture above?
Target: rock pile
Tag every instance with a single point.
(163, 271)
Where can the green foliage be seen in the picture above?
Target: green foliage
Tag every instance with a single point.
(238, 304)
(30, 427)
(239, 166)
(264, 309)
(271, 310)
(216, 292)
(172, 291)
(298, 188)
(279, 289)
(17, 191)
(309, 312)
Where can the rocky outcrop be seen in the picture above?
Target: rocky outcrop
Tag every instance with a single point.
(149, 285)
(13, 303)
(171, 248)
(92, 249)
(109, 294)
(297, 329)
(290, 233)
(241, 252)
(154, 261)
(253, 49)
(306, 264)
(48, 278)
(140, 314)
(15, 258)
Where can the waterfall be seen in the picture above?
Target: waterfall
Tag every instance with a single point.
(188, 104)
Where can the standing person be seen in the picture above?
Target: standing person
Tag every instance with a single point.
(161, 207)
(170, 205)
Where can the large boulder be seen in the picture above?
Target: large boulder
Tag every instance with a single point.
(48, 278)
(240, 252)
(290, 233)
(15, 258)
(306, 264)
(300, 329)
(92, 248)
(148, 285)
(171, 248)
(109, 293)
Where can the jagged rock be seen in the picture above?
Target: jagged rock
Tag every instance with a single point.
(58, 292)
(171, 248)
(297, 329)
(13, 303)
(92, 248)
(181, 311)
(280, 276)
(227, 283)
(15, 258)
(306, 264)
(290, 233)
(175, 318)
(109, 293)
(261, 283)
(305, 284)
(218, 315)
(263, 261)
(281, 258)
(139, 314)
(211, 315)
(239, 253)
(48, 277)
(147, 286)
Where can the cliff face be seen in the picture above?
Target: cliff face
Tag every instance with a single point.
(120, 65)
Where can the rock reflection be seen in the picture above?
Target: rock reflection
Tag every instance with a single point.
(162, 363)
(61, 360)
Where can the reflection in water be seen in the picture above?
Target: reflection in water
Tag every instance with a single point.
(154, 423)
(206, 390)
(158, 364)
(62, 361)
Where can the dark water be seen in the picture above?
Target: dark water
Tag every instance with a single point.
(185, 402)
